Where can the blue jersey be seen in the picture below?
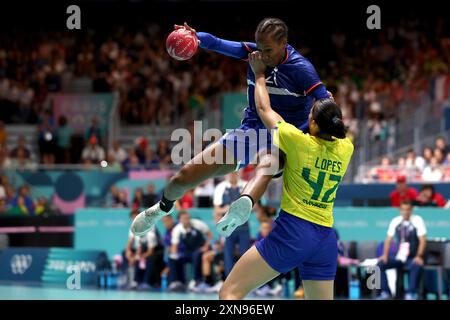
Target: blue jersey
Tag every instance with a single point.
(293, 85)
(288, 85)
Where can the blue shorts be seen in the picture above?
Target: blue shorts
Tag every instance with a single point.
(295, 242)
(249, 139)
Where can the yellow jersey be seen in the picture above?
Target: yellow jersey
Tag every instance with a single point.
(312, 172)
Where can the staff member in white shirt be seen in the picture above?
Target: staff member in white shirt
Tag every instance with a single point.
(190, 239)
(410, 233)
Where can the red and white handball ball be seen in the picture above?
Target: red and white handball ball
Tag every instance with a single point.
(182, 44)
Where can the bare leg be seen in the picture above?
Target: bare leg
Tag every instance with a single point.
(249, 273)
(240, 210)
(319, 290)
(196, 171)
(256, 187)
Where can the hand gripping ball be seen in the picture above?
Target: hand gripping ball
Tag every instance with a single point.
(182, 44)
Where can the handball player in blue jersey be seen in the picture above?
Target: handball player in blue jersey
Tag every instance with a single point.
(293, 86)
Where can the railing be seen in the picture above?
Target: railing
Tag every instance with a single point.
(114, 121)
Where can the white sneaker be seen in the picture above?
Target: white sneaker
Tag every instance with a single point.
(147, 219)
(191, 285)
(410, 296)
(215, 288)
(201, 288)
(176, 286)
(277, 291)
(264, 291)
(237, 215)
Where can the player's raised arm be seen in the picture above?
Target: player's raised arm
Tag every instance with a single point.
(234, 49)
(262, 100)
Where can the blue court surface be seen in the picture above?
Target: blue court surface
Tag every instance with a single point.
(29, 292)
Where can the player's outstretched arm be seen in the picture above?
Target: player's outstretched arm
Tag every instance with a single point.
(234, 49)
(269, 117)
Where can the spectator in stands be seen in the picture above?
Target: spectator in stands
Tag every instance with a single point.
(190, 239)
(226, 192)
(10, 197)
(47, 139)
(123, 199)
(432, 172)
(377, 124)
(4, 180)
(5, 160)
(3, 207)
(401, 166)
(410, 233)
(3, 190)
(150, 197)
(21, 146)
(428, 197)
(138, 200)
(118, 198)
(447, 160)
(141, 149)
(439, 155)
(132, 161)
(163, 152)
(93, 153)
(151, 161)
(21, 161)
(63, 140)
(427, 155)
(3, 135)
(186, 201)
(385, 172)
(441, 144)
(111, 165)
(94, 130)
(44, 207)
(19, 207)
(414, 162)
(117, 152)
(402, 192)
(23, 203)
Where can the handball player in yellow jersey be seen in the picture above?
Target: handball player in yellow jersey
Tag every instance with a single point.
(303, 237)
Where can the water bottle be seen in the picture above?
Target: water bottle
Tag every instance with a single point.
(354, 290)
(286, 291)
(164, 282)
(109, 279)
(102, 279)
(114, 277)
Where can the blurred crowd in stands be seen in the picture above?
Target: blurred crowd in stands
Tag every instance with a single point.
(19, 201)
(58, 144)
(431, 166)
(369, 77)
(372, 76)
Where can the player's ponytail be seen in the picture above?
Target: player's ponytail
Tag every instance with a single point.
(328, 116)
(273, 26)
